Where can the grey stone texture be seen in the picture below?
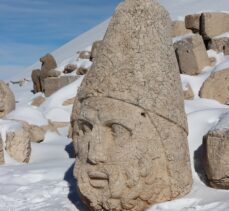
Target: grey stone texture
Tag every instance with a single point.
(214, 24)
(178, 29)
(2, 160)
(129, 125)
(53, 84)
(220, 45)
(216, 87)
(191, 55)
(193, 22)
(216, 158)
(95, 49)
(7, 99)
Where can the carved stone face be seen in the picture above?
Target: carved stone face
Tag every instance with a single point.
(117, 149)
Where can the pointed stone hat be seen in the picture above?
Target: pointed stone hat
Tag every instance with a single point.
(136, 62)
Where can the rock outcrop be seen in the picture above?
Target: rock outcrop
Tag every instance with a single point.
(191, 55)
(38, 101)
(216, 87)
(7, 99)
(82, 71)
(2, 160)
(216, 157)
(129, 125)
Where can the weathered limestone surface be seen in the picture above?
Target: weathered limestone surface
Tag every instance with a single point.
(188, 93)
(178, 29)
(217, 87)
(191, 55)
(129, 125)
(216, 158)
(7, 99)
(219, 45)
(95, 48)
(52, 84)
(193, 22)
(2, 161)
(214, 24)
(54, 73)
(18, 144)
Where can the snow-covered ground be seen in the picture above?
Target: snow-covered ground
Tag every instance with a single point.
(47, 183)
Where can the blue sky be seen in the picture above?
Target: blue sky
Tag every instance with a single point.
(32, 28)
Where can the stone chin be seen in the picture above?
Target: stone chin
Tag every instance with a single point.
(117, 150)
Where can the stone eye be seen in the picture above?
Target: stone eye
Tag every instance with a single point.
(119, 130)
(85, 126)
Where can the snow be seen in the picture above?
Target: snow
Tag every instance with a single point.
(47, 182)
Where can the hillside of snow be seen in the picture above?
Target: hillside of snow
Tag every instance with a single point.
(47, 182)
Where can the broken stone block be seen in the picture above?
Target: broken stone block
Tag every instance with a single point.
(219, 44)
(213, 24)
(193, 22)
(216, 87)
(2, 161)
(38, 101)
(216, 158)
(191, 55)
(53, 84)
(82, 71)
(18, 144)
(178, 29)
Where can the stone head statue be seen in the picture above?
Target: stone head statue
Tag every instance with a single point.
(129, 124)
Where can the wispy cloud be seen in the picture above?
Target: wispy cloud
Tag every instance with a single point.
(31, 28)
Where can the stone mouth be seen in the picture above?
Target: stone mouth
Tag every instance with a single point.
(98, 179)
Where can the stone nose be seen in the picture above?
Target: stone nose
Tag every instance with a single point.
(97, 146)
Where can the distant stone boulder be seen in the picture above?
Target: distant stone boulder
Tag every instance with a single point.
(82, 71)
(191, 55)
(37, 101)
(7, 99)
(216, 87)
(216, 157)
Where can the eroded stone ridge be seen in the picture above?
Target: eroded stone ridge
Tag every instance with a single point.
(129, 124)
